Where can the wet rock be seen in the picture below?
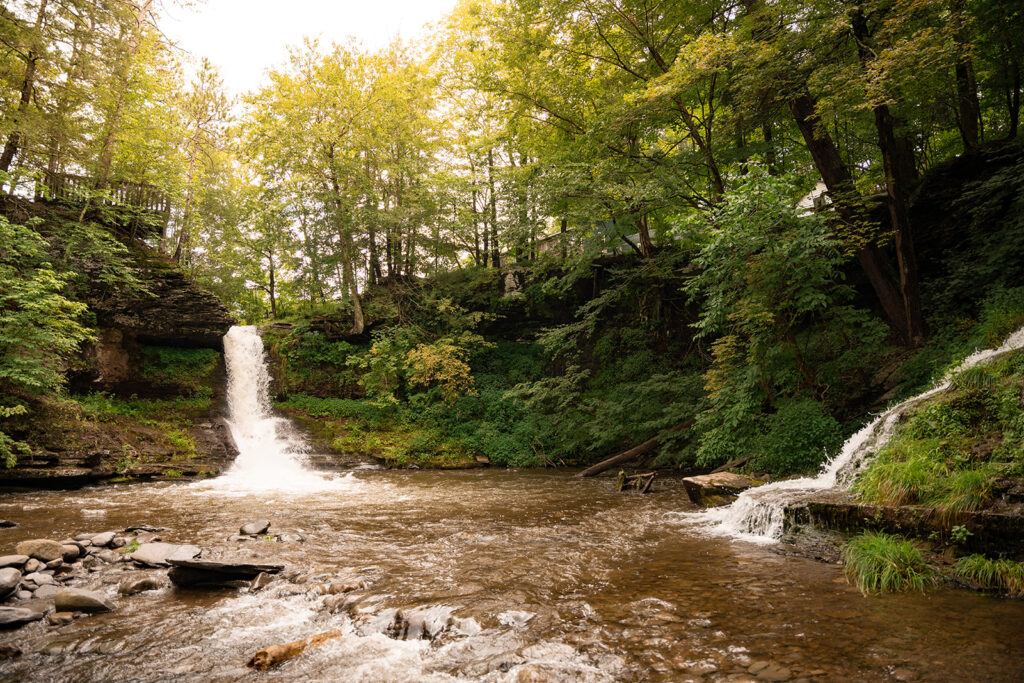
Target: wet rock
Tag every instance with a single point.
(160, 554)
(39, 579)
(261, 581)
(206, 573)
(769, 671)
(61, 618)
(48, 592)
(145, 528)
(55, 564)
(79, 600)
(84, 537)
(103, 540)
(255, 528)
(239, 538)
(70, 552)
(148, 537)
(7, 524)
(41, 549)
(109, 556)
(118, 542)
(9, 580)
(33, 565)
(23, 595)
(141, 585)
(710, 490)
(13, 561)
(90, 562)
(12, 617)
(291, 538)
(8, 651)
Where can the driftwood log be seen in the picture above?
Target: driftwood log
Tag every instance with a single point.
(633, 453)
(640, 482)
(272, 656)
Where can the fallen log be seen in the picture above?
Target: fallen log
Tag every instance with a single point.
(732, 464)
(640, 482)
(275, 655)
(633, 453)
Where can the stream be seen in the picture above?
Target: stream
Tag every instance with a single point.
(500, 575)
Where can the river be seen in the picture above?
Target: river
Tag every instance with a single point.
(499, 575)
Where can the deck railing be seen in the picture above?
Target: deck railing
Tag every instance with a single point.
(70, 188)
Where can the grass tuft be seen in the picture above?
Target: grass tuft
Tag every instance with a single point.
(1004, 576)
(882, 563)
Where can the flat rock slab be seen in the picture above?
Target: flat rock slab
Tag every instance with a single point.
(160, 554)
(711, 490)
(198, 573)
(78, 600)
(13, 561)
(12, 617)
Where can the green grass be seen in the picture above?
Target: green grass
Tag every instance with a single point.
(883, 563)
(1004, 576)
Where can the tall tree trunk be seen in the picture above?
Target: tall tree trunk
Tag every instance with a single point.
(27, 86)
(106, 158)
(495, 247)
(900, 174)
(1013, 98)
(272, 287)
(968, 107)
(845, 198)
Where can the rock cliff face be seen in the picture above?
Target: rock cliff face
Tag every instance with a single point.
(176, 312)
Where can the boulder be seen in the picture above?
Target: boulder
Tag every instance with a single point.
(70, 552)
(141, 584)
(41, 549)
(12, 617)
(104, 539)
(79, 600)
(9, 580)
(159, 554)
(711, 490)
(208, 573)
(255, 528)
(13, 561)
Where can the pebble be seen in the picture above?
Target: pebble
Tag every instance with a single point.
(61, 618)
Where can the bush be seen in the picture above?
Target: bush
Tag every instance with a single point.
(883, 563)
(800, 435)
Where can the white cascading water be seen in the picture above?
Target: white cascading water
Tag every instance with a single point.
(757, 515)
(270, 451)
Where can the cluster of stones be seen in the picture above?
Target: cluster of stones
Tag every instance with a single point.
(39, 579)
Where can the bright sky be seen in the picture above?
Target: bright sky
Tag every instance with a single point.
(246, 37)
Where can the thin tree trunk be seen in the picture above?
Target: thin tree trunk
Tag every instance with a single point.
(968, 107)
(495, 247)
(25, 99)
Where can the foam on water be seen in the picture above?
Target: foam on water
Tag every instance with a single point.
(757, 515)
(270, 452)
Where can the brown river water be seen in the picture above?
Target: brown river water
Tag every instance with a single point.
(519, 576)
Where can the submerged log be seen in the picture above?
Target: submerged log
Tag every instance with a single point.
(633, 453)
(640, 482)
(275, 655)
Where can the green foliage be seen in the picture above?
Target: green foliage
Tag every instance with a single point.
(39, 328)
(187, 368)
(881, 563)
(1000, 575)
(773, 303)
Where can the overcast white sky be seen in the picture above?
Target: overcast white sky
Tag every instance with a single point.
(246, 37)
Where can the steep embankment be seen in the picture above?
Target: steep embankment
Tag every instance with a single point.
(145, 397)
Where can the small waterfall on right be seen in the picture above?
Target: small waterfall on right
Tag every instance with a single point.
(757, 515)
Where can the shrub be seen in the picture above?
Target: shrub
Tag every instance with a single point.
(800, 435)
(883, 563)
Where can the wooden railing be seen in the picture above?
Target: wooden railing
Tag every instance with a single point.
(69, 188)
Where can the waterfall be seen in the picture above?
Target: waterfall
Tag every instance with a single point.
(270, 451)
(757, 515)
